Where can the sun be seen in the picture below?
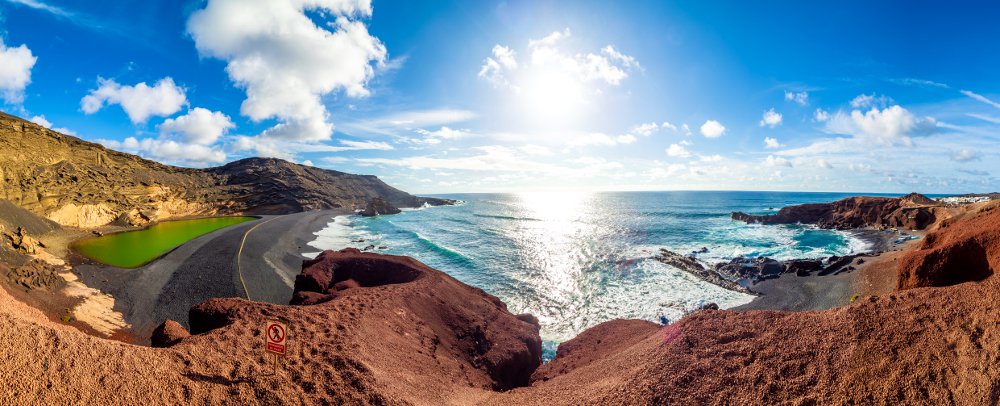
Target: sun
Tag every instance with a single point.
(551, 97)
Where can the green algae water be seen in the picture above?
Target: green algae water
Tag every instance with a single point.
(133, 249)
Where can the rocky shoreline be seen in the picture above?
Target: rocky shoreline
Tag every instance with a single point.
(742, 273)
(875, 220)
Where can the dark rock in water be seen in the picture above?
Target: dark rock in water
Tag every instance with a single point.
(702, 250)
(692, 266)
(369, 247)
(168, 334)
(802, 267)
(379, 206)
(753, 269)
(710, 306)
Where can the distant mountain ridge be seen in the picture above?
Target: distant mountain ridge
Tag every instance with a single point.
(83, 184)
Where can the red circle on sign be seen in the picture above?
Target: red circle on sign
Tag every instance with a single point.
(275, 333)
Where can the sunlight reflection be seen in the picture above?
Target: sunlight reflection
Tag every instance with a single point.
(553, 249)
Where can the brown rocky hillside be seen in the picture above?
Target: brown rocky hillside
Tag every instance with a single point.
(83, 184)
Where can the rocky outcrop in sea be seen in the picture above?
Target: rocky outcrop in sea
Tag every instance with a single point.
(911, 212)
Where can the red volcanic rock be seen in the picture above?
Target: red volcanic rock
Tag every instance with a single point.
(400, 314)
(913, 211)
(168, 334)
(332, 272)
(961, 251)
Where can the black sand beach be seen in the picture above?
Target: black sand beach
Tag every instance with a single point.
(206, 267)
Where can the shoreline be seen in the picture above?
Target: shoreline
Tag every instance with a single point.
(873, 274)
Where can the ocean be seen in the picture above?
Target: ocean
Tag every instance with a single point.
(575, 260)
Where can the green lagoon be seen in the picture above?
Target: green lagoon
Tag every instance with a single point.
(133, 249)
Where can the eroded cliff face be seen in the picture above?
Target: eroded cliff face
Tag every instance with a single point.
(911, 212)
(960, 251)
(82, 184)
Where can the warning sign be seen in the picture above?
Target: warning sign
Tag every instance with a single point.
(275, 335)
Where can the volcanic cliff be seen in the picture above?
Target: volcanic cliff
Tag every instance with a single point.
(83, 184)
(375, 329)
(912, 212)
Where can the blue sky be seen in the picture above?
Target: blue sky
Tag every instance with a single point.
(469, 96)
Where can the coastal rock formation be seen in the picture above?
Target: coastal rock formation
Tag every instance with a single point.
(81, 184)
(691, 265)
(961, 251)
(741, 273)
(379, 206)
(913, 212)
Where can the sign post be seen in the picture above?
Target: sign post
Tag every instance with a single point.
(275, 338)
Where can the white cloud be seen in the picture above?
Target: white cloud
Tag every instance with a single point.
(488, 158)
(168, 150)
(285, 149)
(686, 129)
(444, 133)
(777, 161)
(349, 145)
(965, 155)
(821, 115)
(712, 129)
(532, 149)
(15, 72)
(493, 67)
(891, 126)
(710, 158)
(645, 129)
(308, 163)
(981, 98)
(865, 100)
(770, 119)
(548, 58)
(860, 167)
(404, 123)
(988, 119)
(40, 120)
(285, 62)
(601, 139)
(678, 151)
(626, 60)
(140, 101)
(199, 126)
(822, 163)
(772, 143)
(667, 125)
(801, 98)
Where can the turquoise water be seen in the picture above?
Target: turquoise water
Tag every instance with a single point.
(576, 260)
